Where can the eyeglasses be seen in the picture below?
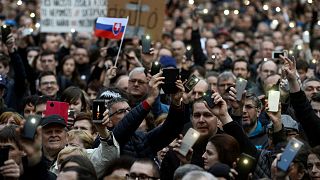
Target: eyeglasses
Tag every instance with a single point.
(120, 111)
(140, 82)
(140, 177)
(248, 106)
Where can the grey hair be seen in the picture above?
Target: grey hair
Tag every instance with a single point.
(225, 76)
(199, 175)
(136, 70)
(183, 170)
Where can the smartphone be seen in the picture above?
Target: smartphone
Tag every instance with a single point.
(241, 85)
(192, 81)
(155, 68)
(171, 75)
(276, 54)
(208, 99)
(30, 127)
(5, 31)
(273, 100)
(71, 113)
(188, 141)
(146, 44)
(99, 106)
(57, 107)
(289, 154)
(245, 165)
(4, 154)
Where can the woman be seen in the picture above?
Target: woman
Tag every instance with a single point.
(69, 74)
(221, 148)
(78, 100)
(11, 118)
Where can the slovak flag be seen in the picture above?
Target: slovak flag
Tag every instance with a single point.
(110, 28)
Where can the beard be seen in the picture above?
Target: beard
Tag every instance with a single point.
(247, 126)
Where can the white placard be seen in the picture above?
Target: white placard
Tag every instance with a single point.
(63, 15)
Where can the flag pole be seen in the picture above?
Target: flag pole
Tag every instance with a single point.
(124, 32)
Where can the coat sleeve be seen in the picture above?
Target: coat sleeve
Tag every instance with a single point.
(198, 55)
(309, 121)
(130, 123)
(163, 135)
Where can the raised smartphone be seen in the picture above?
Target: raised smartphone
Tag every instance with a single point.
(192, 81)
(208, 99)
(4, 154)
(5, 31)
(245, 165)
(241, 85)
(289, 154)
(276, 54)
(171, 75)
(146, 44)
(188, 141)
(57, 107)
(155, 68)
(30, 127)
(273, 100)
(99, 106)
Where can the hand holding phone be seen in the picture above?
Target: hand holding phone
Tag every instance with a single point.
(188, 141)
(30, 127)
(5, 31)
(277, 54)
(241, 85)
(289, 154)
(171, 75)
(146, 44)
(155, 68)
(4, 154)
(192, 81)
(207, 97)
(245, 165)
(98, 108)
(273, 100)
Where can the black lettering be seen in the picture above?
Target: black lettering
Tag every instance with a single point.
(62, 2)
(62, 22)
(47, 22)
(47, 2)
(152, 20)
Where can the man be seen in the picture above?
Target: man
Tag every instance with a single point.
(266, 49)
(240, 68)
(179, 51)
(40, 105)
(310, 87)
(50, 43)
(199, 90)
(144, 169)
(48, 84)
(48, 61)
(83, 122)
(138, 90)
(225, 80)
(29, 105)
(302, 68)
(204, 120)
(315, 103)
(81, 56)
(253, 128)
(54, 137)
(265, 69)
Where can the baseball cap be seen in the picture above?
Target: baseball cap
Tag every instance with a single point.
(288, 123)
(53, 119)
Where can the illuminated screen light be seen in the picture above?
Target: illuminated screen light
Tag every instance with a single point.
(19, 3)
(265, 7)
(236, 11)
(191, 2)
(226, 12)
(205, 11)
(292, 24)
(32, 15)
(37, 25)
(278, 9)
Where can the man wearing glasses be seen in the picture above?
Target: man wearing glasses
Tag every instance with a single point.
(48, 84)
(143, 169)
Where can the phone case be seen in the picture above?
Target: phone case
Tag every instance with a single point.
(208, 99)
(30, 126)
(289, 154)
(146, 44)
(57, 107)
(4, 155)
(5, 31)
(98, 108)
(155, 68)
(273, 101)
(171, 76)
(188, 141)
(192, 81)
(245, 165)
(241, 85)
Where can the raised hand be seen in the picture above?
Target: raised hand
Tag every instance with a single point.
(177, 97)
(154, 90)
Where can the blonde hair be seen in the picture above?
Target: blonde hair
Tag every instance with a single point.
(7, 115)
(86, 138)
(70, 149)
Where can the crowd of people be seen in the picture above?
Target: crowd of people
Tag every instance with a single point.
(142, 128)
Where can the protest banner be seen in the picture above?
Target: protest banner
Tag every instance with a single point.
(145, 16)
(64, 15)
